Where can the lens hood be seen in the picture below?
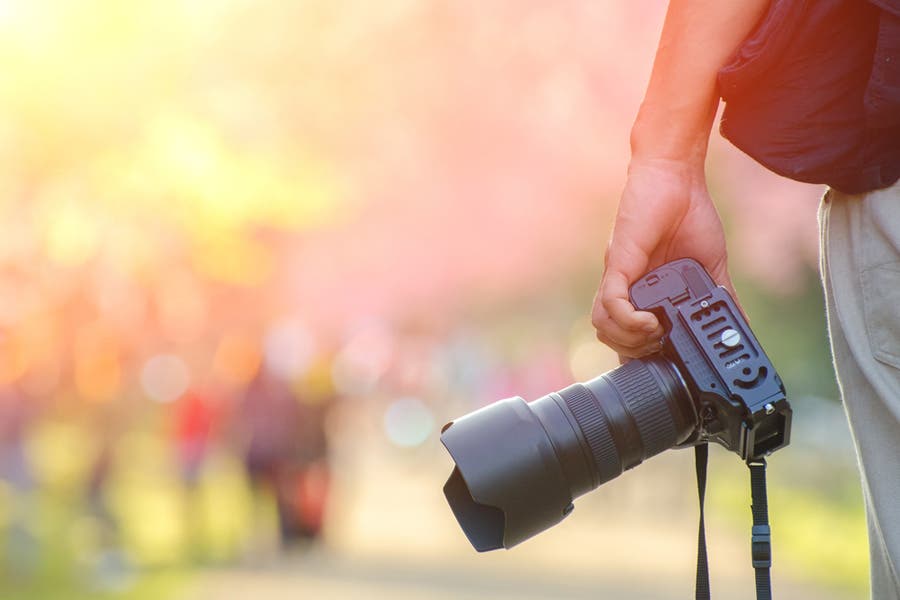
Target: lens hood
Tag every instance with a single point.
(508, 484)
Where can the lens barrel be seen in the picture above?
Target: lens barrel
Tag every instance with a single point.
(630, 414)
(519, 465)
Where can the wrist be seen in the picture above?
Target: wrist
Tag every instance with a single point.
(673, 133)
(682, 166)
(688, 175)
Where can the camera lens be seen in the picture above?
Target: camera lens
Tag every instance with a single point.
(630, 414)
(519, 465)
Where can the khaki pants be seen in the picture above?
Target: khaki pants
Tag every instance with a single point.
(860, 254)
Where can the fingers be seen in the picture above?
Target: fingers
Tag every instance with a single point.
(651, 345)
(631, 333)
(626, 342)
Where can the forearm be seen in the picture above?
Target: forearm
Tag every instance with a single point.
(665, 211)
(680, 104)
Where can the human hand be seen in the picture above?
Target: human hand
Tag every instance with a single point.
(665, 213)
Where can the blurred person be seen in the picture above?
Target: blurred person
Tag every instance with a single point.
(97, 483)
(276, 444)
(812, 91)
(317, 398)
(18, 414)
(193, 418)
(110, 566)
(193, 421)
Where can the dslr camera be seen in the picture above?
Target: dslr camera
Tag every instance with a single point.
(519, 465)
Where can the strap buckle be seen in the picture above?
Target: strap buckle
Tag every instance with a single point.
(761, 547)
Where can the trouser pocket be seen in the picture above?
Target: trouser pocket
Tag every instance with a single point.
(880, 274)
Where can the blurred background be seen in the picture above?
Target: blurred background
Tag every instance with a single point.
(255, 254)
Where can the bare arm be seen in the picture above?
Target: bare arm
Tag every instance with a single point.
(665, 211)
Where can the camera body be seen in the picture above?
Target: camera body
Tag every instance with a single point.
(739, 397)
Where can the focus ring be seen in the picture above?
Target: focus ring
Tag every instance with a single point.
(594, 426)
(645, 401)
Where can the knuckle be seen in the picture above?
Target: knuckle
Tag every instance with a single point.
(603, 336)
(609, 302)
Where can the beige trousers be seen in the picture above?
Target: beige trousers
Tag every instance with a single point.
(860, 254)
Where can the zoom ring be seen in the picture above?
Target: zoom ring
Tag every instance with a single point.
(594, 426)
(646, 402)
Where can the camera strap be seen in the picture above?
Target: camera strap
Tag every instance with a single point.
(761, 539)
(761, 547)
(701, 589)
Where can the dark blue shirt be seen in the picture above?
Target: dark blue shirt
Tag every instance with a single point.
(814, 92)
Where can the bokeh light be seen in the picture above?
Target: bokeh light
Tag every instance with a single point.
(165, 377)
(237, 358)
(363, 360)
(408, 422)
(289, 349)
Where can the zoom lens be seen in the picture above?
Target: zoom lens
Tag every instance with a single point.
(519, 465)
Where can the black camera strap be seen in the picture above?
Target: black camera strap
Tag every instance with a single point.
(761, 547)
(701, 452)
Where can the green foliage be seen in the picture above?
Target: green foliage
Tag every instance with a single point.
(818, 534)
